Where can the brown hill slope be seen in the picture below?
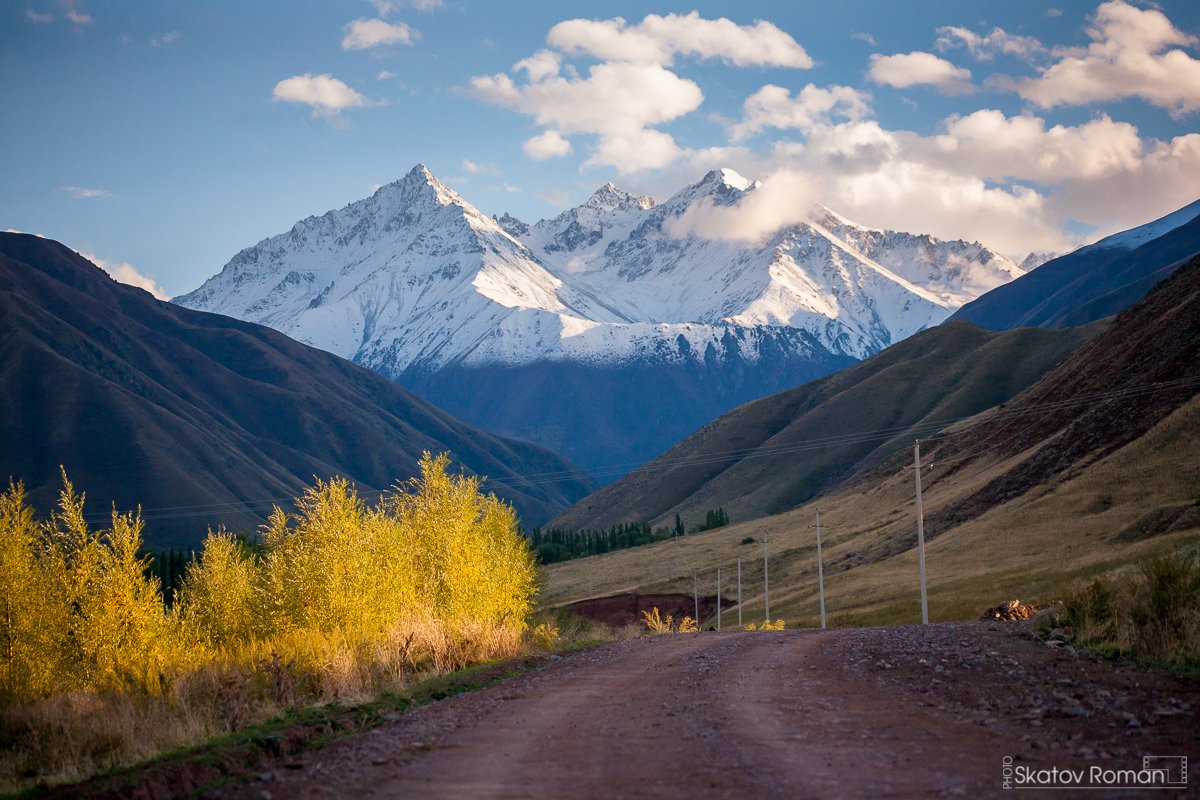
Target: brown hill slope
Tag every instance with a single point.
(204, 419)
(767, 456)
(1090, 469)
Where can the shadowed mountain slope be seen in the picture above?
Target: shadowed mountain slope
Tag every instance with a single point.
(204, 419)
(1093, 282)
(767, 456)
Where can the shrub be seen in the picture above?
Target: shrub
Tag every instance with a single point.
(1153, 613)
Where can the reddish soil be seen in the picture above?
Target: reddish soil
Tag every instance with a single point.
(623, 609)
(899, 712)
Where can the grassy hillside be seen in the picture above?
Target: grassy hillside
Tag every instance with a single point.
(205, 419)
(1090, 469)
(767, 456)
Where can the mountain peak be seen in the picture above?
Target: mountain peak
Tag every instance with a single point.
(727, 177)
(419, 180)
(610, 197)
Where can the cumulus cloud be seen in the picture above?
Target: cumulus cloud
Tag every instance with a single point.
(617, 101)
(124, 272)
(658, 39)
(541, 65)
(1011, 182)
(1134, 52)
(623, 99)
(774, 107)
(986, 46)
(84, 193)
(547, 145)
(989, 144)
(916, 69)
(782, 199)
(363, 34)
(324, 94)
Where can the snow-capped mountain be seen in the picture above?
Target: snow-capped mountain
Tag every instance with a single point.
(419, 285)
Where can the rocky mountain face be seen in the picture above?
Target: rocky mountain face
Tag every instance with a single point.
(206, 420)
(600, 332)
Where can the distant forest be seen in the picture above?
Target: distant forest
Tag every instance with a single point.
(552, 545)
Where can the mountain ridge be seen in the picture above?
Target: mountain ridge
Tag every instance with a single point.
(418, 285)
(146, 402)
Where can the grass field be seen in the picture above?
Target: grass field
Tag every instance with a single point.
(1138, 501)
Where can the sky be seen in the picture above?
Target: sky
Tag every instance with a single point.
(160, 138)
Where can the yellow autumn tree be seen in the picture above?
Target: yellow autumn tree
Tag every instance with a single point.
(317, 569)
(32, 614)
(217, 600)
(473, 563)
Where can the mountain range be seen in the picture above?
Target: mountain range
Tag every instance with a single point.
(202, 419)
(608, 332)
(754, 461)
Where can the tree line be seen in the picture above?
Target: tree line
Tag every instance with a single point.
(552, 545)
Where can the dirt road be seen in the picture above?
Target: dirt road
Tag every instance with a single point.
(902, 712)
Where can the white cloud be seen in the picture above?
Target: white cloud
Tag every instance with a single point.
(165, 39)
(84, 193)
(865, 37)
(79, 17)
(479, 169)
(547, 145)
(38, 17)
(508, 187)
(658, 39)
(918, 68)
(541, 65)
(991, 145)
(363, 34)
(773, 107)
(617, 101)
(124, 272)
(972, 180)
(1134, 52)
(784, 198)
(386, 7)
(986, 46)
(1054, 12)
(325, 94)
(384, 75)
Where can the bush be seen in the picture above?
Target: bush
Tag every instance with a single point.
(1153, 613)
(343, 601)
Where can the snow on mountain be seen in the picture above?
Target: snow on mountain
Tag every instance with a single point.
(1136, 237)
(416, 278)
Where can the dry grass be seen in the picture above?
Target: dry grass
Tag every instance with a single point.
(66, 738)
(1033, 547)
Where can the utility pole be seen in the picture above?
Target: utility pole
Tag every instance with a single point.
(920, 532)
(820, 571)
(696, 599)
(718, 598)
(766, 582)
(739, 591)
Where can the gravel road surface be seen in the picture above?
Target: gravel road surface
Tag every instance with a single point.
(946, 710)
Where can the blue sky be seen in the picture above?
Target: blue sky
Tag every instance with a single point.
(162, 137)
